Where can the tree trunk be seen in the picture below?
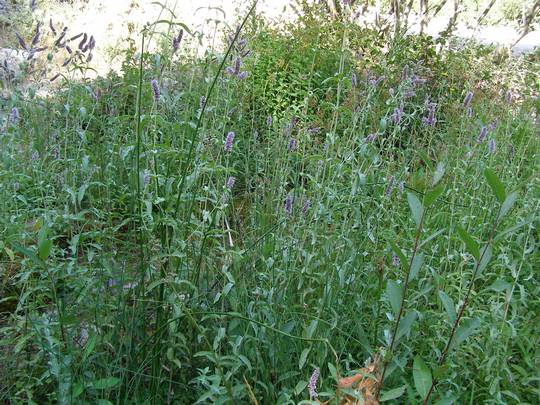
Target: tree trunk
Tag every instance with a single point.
(528, 21)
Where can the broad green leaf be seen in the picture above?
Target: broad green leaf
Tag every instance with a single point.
(467, 328)
(500, 285)
(508, 204)
(470, 243)
(448, 305)
(496, 186)
(416, 265)
(303, 357)
(485, 258)
(333, 371)
(402, 258)
(432, 195)
(105, 383)
(438, 175)
(300, 386)
(448, 400)
(394, 292)
(393, 394)
(422, 376)
(416, 208)
(405, 325)
(44, 249)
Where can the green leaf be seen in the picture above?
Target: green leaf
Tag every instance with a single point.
(333, 371)
(485, 258)
(303, 357)
(402, 258)
(508, 204)
(422, 376)
(448, 400)
(432, 195)
(470, 243)
(105, 383)
(393, 394)
(496, 186)
(44, 249)
(467, 328)
(394, 292)
(500, 285)
(416, 265)
(448, 305)
(405, 325)
(438, 175)
(416, 208)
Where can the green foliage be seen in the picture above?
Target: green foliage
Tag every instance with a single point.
(133, 270)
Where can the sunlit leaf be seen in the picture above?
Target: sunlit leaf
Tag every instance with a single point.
(496, 186)
(422, 376)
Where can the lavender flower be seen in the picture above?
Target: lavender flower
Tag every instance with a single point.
(371, 137)
(14, 116)
(306, 206)
(493, 125)
(230, 182)
(176, 41)
(398, 114)
(430, 120)
(395, 260)
(146, 177)
(509, 96)
(492, 146)
(390, 186)
(482, 135)
(269, 121)
(235, 69)
(202, 102)
(470, 112)
(312, 384)
(35, 156)
(229, 142)
(401, 187)
(155, 90)
(293, 144)
(242, 75)
(289, 204)
(354, 80)
(467, 100)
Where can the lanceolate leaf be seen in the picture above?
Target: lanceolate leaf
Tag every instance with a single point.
(416, 265)
(448, 305)
(467, 328)
(393, 394)
(394, 292)
(422, 376)
(416, 208)
(432, 195)
(472, 245)
(485, 258)
(496, 186)
(508, 204)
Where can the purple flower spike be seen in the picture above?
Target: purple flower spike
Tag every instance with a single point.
(269, 121)
(401, 187)
(482, 135)
(306, 206)
(371, 137)
(14, 116)
(176, 41)
(390, 186)
(289, 204)
(202, 102)
(492, 146)
(509, 96)
(230, 182)
(229, 142)
(293, 145)
(242, 75)
(146, 177)
(312, 384)
(395, 260)
(467, 100)
(354, 80)
(155, 90)
(470, 112)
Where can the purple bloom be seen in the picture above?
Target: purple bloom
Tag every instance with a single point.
(242, 75)
(401, 187)
(509, 96)
(395, 260)
(14, 116)
(312, 384)
(430, 120)
(371, 137)
(398, 114)
(482, 135)
(492, 146)
(155, 90)
(269, 121)
(230, 182)
(146, 177)
(467, 100)
(354, 80)
(202, 102)
(470, 112)
(306, 206)
(293, 144)
(176, 41)
(289, 204)
(229, 142)
(493, 125)
(35, 156)
(390, 186)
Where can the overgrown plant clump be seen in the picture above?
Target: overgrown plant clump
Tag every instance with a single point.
(300, 216)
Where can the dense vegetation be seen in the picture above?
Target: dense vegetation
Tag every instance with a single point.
(257, 225)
